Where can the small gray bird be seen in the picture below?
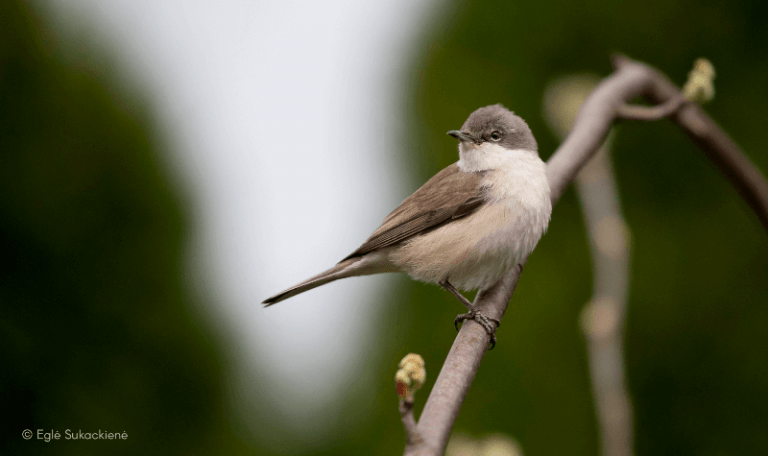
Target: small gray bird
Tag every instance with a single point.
(469, 224)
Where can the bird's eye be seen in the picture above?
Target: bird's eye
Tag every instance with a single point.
(495, 136)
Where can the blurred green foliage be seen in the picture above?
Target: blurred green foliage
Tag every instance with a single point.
(96, 329)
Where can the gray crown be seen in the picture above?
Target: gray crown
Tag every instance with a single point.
(515, 133)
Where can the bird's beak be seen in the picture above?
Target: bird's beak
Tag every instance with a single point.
(464, 136)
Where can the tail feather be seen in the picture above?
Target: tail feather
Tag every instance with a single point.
(335, 273)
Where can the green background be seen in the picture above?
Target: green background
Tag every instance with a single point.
(98, 328)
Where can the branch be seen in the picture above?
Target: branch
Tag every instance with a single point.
(634, 112)
(711, 139)
(602, 319)
(630, 80)
(409, 378)
(459, 369)
(412, 436)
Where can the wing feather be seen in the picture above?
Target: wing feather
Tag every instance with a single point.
(448, 195)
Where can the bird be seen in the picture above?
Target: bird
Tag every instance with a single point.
(466, 226)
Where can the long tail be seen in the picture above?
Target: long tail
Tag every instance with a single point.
(337, 272)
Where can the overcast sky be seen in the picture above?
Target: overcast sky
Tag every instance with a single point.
(283, 117)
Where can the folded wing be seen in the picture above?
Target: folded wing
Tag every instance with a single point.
(448, 195)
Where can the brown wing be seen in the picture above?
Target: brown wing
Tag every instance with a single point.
(449, 195)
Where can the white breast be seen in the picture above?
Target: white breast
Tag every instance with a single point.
(475, 251)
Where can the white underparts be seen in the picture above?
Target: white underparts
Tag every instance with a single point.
(475, 251)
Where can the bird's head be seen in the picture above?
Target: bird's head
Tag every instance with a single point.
(489, 135)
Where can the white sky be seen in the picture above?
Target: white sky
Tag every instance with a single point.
(284, 121)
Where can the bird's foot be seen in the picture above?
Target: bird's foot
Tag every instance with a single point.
(473, 314)
(489, 324)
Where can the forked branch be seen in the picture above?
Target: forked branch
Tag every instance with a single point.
(631, 79)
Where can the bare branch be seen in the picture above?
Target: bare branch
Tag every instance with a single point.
(630, 80)
(459, 369)
(412, 436)
(593, 123)
(603, 318)
(707, 134)
(636, 112)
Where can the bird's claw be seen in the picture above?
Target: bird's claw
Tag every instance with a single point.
(482, 320)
